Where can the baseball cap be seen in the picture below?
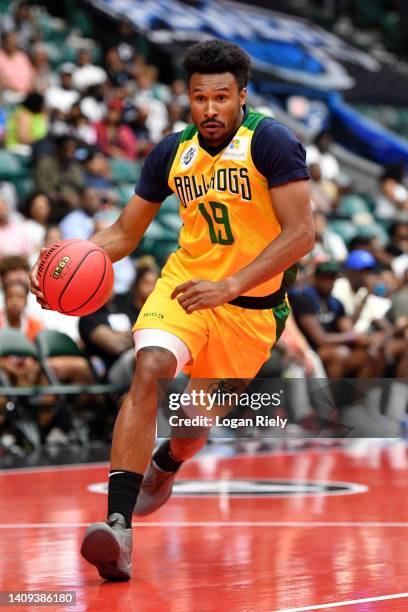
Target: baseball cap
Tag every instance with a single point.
(327, 268)
(359, 260)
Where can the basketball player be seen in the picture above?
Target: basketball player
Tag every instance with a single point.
(220, 303)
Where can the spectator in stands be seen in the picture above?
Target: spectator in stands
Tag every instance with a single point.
(9, 193)
(328, 244)
(397, 249)
(398, 313)
(356, 291)
(132, 301)
(20, 20)
(52, 235)
(322, 319)
(80, 223)
(114, 138)
(97, 171)
(116, 69)
(319, 153)
(16, 268)
(87, 74)
(27, 123)
(392, 202)
(44, 76)
(93, 105)
(14, 314)
(79, 127)
(62, 95)
(16, 70)
(37, 209)
(14, 235)
(61, 176)
(21, 370)
(107, 335)
(323, 192)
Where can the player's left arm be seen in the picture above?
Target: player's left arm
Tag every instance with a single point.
(292, 207)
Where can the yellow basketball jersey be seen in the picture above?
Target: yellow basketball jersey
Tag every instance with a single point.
(225, 206)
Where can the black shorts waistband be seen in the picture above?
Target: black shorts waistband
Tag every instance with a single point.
(265, 302)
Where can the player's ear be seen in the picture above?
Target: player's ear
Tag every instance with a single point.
(242, 96)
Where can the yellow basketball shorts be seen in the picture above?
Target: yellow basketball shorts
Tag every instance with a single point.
(225, 342)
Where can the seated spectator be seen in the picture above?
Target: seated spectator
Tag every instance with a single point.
(93, 105)
(27, 123)
(14, 315)
(131, 302)
(61, 176)
(397, 249)
(116, 69)
(328, 244)
(80, 223)
(16, 70)
(107, 335)
(22, 371)
(87, 74)
(323, 192)
(79, 127)
(356, 291)
(322, 319)
(97, 171)
(392, 202)
(15, 238)
(44, 76)
(319, 153)
(20, 19)
(37, 209)
(62, 96)
(9, 193)
(113, 137)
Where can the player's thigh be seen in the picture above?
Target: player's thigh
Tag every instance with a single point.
(239, 342)
(163, 313)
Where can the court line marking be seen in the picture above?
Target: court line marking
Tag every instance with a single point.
(302, 524)
(339, 604)
(101, 464)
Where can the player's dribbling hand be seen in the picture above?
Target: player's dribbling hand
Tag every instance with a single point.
(197, 294)
(34, 284)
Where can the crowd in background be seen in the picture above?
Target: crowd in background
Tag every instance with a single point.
(79, 131)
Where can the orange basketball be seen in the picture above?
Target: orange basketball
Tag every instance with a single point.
(76, 277)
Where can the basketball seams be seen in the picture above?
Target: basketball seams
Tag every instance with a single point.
(41, 275)
(68, 312)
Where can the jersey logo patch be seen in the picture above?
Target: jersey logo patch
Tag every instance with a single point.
(237, 149)
(188, 157)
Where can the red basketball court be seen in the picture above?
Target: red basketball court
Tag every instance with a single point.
(311, 530)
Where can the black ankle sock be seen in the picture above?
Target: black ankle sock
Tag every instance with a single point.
(164, 459)
(123, 490)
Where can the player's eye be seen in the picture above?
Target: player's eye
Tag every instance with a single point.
(200, 98)
(221, 98)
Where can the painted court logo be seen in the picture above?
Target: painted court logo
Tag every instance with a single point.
(188, 157)
(237, 149)
(240, 487)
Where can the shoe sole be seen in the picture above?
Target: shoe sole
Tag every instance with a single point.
(101, 549)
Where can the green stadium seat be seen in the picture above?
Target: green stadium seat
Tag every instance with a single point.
(352, 204)
(343, 228)
(125, 191)
(10, 166)
(374, 229)
(124, 171)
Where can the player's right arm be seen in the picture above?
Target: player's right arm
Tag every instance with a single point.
(124, 235)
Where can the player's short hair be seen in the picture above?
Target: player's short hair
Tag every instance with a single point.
(217, 57)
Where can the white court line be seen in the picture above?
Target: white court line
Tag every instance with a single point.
(302, 524)
(53, 468)
(339, 604)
